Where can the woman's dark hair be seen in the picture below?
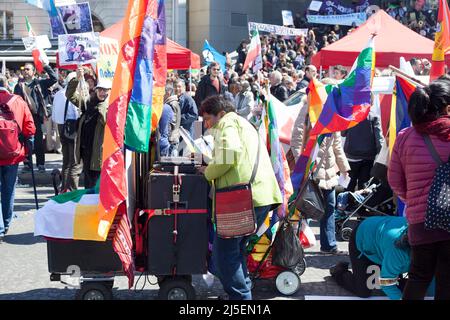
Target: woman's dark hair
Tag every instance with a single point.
(216, 104)
(427, 103)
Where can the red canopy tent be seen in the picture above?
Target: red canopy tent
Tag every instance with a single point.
(178, 57)
(393, 41)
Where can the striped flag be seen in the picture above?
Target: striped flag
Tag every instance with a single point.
(348, 103)
(399, 118)
(147, 98)
(71, 215)
(278, 157)
(144, 28)
(254, 53)
(441, 41)
(39, 56)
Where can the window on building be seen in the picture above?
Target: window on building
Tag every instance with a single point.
(239, 20)
(6, 25)
(97, 24)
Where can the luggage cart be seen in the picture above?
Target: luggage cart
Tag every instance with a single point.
(170, 240)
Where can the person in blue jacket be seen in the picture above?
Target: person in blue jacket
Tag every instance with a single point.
(377, 243)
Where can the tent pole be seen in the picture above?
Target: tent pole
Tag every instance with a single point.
(320, 77)
(190, 78)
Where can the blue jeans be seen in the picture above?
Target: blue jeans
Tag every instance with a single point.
(327, 223)
(8, 176)
(230, 262)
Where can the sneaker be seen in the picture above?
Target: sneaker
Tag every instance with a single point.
(334, 251)
(26, 169)
(41, 168)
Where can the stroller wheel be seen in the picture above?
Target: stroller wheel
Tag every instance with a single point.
(346, 233)
(300, 267)
(287, 283)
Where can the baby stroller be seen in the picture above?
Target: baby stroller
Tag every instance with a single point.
(259, 261)
(353, 207)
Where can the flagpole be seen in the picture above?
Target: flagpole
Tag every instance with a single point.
(403, 75)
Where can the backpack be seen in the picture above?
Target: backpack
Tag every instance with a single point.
(10, 133)
(438, 203)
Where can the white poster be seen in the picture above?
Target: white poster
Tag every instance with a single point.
(82, 48)
(40, 42)
(315, 5)
(288, 19)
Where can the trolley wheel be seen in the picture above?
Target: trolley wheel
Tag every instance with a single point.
(176, 289)
(346, 233)
(94, 291)
(300, 267)
(287, 283)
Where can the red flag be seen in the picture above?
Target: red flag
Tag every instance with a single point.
(441, 41)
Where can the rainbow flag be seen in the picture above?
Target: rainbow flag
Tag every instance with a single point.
(441, 41)
(349, 102)
(346, 105)
(147, 98)
(144, 29)
(399, 118)
(317, 96)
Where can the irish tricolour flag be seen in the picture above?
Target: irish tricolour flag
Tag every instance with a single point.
(71, 215)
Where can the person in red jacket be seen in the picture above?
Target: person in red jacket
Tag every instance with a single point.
(411, 172)
(9, 161)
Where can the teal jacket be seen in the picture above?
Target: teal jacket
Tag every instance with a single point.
(375, 239)
(235, 150)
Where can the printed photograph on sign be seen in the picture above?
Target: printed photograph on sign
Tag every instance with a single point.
(288, 19)
(78, 48)
(76, 18)
(40, 42)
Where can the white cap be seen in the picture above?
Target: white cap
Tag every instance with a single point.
(70, 77)
(103, 84)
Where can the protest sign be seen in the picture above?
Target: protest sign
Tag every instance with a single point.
(315, 5)
(340, 19)
(335, 7)
(39, 42)
(80, 48)
(76, 18)
(288, 19)
(107, 61)
(278, 30)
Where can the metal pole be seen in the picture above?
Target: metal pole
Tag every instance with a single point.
(174, 4)
(30, 159)
(190, 79)
(5, 32)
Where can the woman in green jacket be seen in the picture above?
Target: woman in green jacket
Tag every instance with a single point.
(235, 151)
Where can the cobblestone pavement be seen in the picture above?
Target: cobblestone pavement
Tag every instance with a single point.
(23, 262)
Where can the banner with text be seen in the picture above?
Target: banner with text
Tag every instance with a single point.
(341, 19)
(107, 61)
(278, 30)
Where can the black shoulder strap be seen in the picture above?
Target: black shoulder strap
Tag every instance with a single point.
(255, 166)
(432, 149)
(65, 109)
